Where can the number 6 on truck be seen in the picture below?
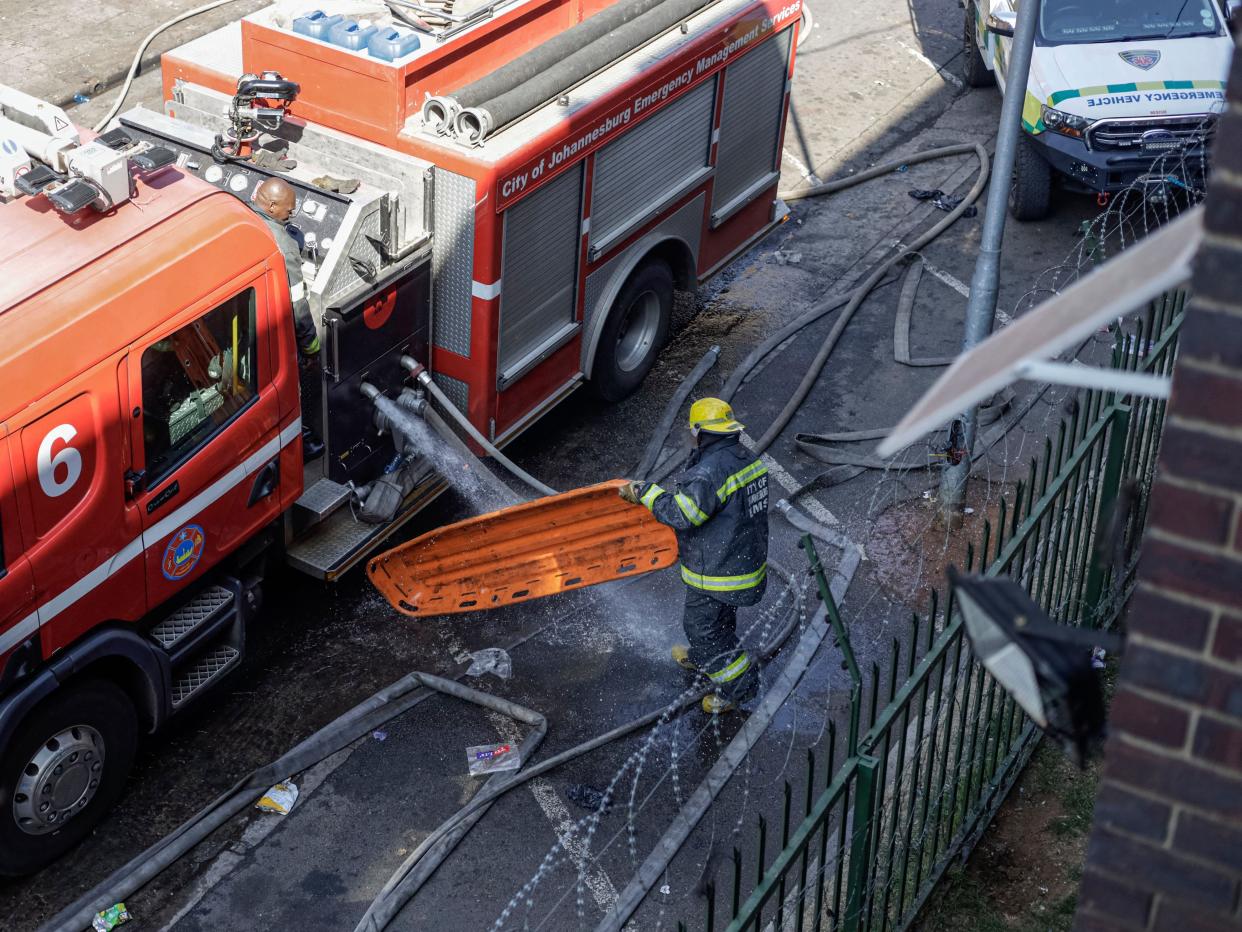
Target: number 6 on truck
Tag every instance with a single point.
(48, 464)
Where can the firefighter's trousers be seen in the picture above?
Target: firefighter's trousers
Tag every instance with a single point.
(711, 628)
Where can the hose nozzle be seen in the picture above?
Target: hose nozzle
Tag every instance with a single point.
(369, 390)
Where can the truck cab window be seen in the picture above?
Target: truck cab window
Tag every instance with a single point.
(196, 380)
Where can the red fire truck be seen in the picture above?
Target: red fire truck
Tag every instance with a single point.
(507, 194)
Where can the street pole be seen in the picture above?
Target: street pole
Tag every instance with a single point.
(985, 285)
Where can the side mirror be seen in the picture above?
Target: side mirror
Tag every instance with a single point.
(1003, 22)
(1232, 9)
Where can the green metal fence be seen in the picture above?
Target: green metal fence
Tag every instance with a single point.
(898, 804)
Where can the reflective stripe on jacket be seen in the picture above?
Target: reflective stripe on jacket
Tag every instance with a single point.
(719, 509)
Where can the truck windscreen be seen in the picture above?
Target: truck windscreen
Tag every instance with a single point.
(1072, 21)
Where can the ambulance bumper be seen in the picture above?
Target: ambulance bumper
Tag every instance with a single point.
(1112, 172)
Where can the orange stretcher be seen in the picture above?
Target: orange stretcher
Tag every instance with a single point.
(536, 549)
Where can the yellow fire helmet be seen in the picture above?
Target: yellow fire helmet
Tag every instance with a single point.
(714, 416)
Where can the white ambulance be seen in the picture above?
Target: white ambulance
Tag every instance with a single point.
(1123, 94)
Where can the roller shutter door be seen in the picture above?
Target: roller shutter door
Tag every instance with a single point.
(750, 125)
(539, 271)
(651, 163)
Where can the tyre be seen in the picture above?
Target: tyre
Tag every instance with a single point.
(974, 72)
(64, 770)
(1030, 191)
(636, 328)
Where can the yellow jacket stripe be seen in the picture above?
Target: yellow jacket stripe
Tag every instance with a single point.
(732, 671)
(650, 496)
(724, 583)
(694, 514)
(740, 479)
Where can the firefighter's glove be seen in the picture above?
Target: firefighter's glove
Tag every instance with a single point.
(630, 492)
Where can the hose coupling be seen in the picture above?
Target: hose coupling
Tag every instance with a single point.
(413, 400)
(412, 366)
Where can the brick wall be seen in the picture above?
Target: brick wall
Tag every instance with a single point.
(1166, 846)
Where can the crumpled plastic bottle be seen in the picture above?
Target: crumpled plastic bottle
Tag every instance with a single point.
(492, 660)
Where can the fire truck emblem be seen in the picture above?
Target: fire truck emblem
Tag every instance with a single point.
(183, 552)
(376, 313)
(1146, 59)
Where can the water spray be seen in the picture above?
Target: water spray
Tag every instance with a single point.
(422, 377)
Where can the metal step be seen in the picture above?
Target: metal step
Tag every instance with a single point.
(341, 541)
(204, 607)
(214, 663)
(322, 498)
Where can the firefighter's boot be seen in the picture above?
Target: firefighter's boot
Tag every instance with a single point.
(716, 704)
(681, 654)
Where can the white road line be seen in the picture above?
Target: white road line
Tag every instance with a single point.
(956, 284)
(807, 173)
(951, 280)
(254, 834)
(558, 816)
(790, 484)
(944, 73)
(963, 289)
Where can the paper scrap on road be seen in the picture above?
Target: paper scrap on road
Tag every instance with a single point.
(279, 799)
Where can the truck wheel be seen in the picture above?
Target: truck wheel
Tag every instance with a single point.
(1030, 192)
(64, 770)
(974, 72)
(636, 328)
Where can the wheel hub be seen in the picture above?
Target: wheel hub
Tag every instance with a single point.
(638, 331)
(59, 781)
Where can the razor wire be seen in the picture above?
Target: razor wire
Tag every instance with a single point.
(636, 761)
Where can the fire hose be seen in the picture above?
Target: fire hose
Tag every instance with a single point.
(418, 868)
(142, 47)
(852, 300)
(385, 705)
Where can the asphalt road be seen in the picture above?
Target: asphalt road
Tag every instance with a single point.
(874, 81)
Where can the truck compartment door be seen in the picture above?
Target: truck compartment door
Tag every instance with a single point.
(207, 437)
(752, 118)
(538, 303)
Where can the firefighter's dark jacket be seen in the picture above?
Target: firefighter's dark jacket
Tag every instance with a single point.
(303, 322)
(719, 509)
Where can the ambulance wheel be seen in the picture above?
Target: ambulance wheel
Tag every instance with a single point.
(636, 328)
(1030, 191)
(64, 770)
(974, 72)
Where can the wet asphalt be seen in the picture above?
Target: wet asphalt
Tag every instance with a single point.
(591, 660)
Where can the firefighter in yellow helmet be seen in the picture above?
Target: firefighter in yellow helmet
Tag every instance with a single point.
(719, 508)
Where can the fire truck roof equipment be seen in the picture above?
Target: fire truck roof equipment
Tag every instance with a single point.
(439, 111)
(551, 76)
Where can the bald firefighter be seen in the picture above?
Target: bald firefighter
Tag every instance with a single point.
(274, 201)
(719, 509)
